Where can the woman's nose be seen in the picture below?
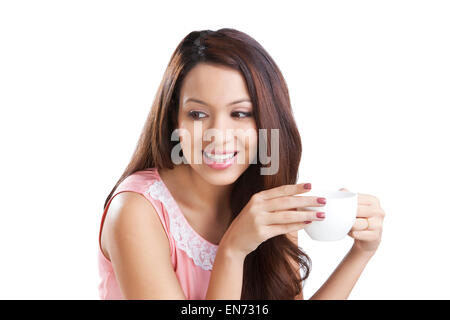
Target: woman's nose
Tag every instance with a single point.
(221, 130)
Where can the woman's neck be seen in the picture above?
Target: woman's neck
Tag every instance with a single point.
(192, 191)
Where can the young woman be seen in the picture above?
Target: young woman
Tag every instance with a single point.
(219, 228)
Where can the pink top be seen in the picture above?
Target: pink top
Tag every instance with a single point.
(192, 256)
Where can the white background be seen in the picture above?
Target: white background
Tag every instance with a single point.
(369, 82)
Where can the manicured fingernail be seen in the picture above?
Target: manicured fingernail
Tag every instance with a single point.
(307, 186)
(322, 200)
(320, 214)
(307, 222)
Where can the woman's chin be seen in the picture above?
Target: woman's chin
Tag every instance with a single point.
(220, 176)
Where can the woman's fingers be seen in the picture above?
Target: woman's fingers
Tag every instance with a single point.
(277, 229)
(360, 224)
(287, 202)
(363, 224)
(367, 211)
(287, 217)
(285, 190)
(365, 235)
(367, 199)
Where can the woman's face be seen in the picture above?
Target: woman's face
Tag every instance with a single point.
(216, 120)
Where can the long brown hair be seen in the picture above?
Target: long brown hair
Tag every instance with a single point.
(268, 270)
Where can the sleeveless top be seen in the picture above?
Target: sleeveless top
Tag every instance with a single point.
(192, 255)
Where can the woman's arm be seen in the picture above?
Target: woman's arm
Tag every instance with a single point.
(341, 282)
(367, 232)
(138, 248)
(343, 279)
(135, 241)
(226, 276)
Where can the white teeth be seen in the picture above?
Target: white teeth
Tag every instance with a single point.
(219, 157)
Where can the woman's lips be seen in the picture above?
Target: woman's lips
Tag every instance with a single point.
(220, 164)
(224, 152)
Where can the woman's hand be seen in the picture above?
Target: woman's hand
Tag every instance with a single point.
(368, 226)
(270, 213)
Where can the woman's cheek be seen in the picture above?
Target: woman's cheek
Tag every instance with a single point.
(186, 141)
(251, 148)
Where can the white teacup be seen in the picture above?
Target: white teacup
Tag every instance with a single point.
(340, 215)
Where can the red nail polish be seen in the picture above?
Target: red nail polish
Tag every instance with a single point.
(307, 186)
(307, 222)
(320, 214)
(322, 200)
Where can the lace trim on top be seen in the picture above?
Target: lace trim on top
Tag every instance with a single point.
(201, 251)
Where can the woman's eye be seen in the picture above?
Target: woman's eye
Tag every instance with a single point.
(242, 114)
(200, 115)
(195, 114)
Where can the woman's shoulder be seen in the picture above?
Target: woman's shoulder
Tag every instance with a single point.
(136, 182)
(131, 206)
(138, 186)
(139, 181)
(129, 212)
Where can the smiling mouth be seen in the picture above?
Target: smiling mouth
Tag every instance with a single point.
(220, 157)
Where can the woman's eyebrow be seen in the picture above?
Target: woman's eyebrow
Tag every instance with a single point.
(204, 103)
